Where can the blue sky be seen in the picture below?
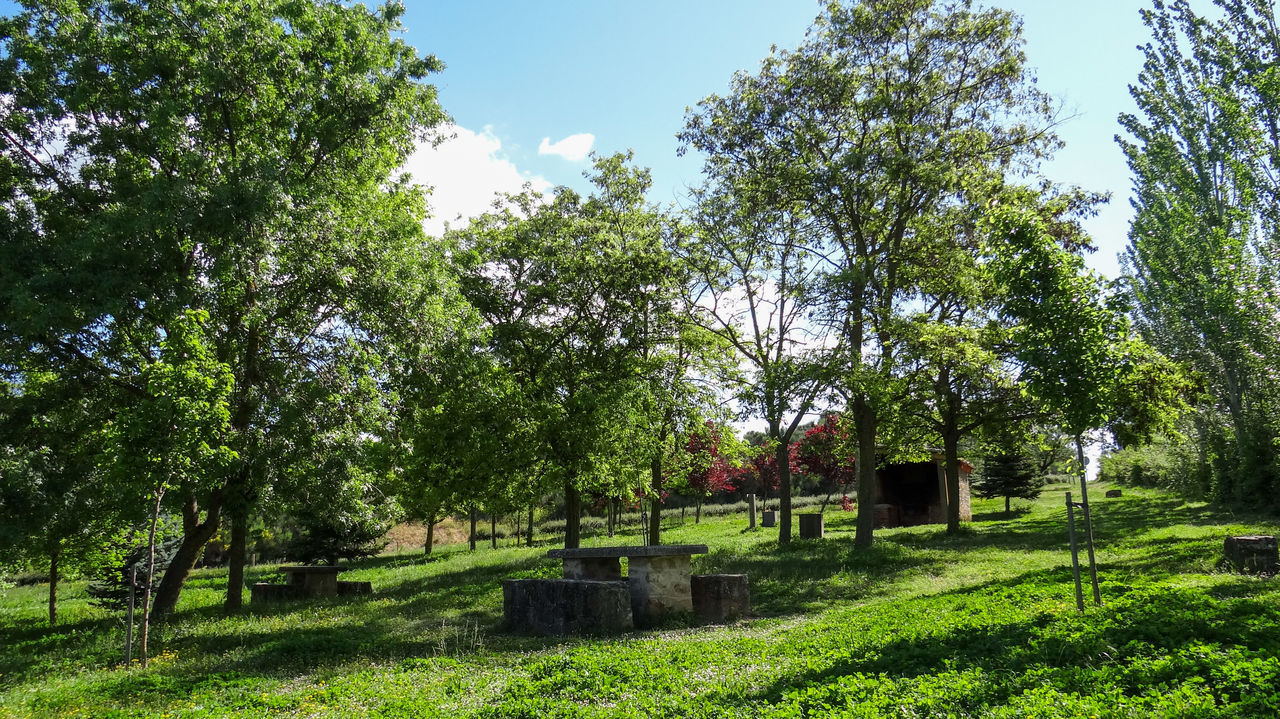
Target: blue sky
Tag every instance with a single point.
(521, 72)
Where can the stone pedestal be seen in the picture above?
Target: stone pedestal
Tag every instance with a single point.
(556, 607)
(268, 592)
(600, 569)
(659, 587)
(887, 516)
(811, 526)
(1253, 554)
(719, 598)
(768, 518)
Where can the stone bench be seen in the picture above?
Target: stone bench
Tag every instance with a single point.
(354, 589)
(719, 598)
(1255, 554)
(1113, 493)
(554, 607)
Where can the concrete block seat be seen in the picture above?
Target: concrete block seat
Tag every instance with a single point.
(1253, 554)
(719, 598)
(554, 607)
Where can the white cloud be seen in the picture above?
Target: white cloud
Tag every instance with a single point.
(573, 148)
(464, 173)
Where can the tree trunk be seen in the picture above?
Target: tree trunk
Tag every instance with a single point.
(751, 511)
(825, 500)
(697, 513)
(194, 537)
(493, 531)
(235, 563)
(864, 418)
(572, 516)
(431, 535)
(608, 511)
(54, 555)
(951, 458)
(782, 455)
(473, 528)
(529, 541)
(1006, 506)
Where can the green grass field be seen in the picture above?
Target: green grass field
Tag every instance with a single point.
(922, 625)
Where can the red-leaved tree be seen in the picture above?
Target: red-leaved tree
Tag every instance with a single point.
(824, 453)
(709, 471)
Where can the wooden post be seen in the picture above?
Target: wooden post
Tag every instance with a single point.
(1075, 551)
(1088, 523)
(128, 627)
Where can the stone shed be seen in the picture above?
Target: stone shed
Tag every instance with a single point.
(911, 493)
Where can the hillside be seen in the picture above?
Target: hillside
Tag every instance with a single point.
(923, 625)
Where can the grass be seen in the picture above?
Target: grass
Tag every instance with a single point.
(924, 624)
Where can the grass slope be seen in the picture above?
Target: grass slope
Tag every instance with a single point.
(922, 625)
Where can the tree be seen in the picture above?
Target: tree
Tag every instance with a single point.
(174, 433)
(824, 451)
(235, 159)
(561, 286)
(755, 294)
(1201, 263)
(892, 111)
(1008, 472)
(57, 504)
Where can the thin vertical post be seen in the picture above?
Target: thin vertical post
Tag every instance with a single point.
(751, 510)
(128, 629)
(1075, 551)
(1088, 523)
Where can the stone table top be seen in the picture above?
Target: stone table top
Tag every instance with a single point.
(312, 569)
(661, 550)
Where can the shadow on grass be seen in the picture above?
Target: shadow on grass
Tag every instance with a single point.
(805, 574)
(958, 631)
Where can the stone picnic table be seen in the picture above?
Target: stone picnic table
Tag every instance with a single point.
(313, 581)
(658, 577)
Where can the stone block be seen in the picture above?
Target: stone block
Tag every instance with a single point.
(887, 516)
(600, 569)
(554, 607)
(659, 587)
(1113, 493)
(266, 592)
(719, 598)
(1253, 554)
(350, 589)
(769, 518)
(811, 526)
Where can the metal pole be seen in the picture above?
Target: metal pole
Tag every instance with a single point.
(1088, 523)
(128, 629)
(1075, 551)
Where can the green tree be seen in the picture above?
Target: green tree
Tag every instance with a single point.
(890, 112)
(57, 504)
(172, 436)
(1008, 472)
(1202, 260)
(562, 288)
(203, 154)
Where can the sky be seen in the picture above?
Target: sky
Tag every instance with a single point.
(533, 86)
